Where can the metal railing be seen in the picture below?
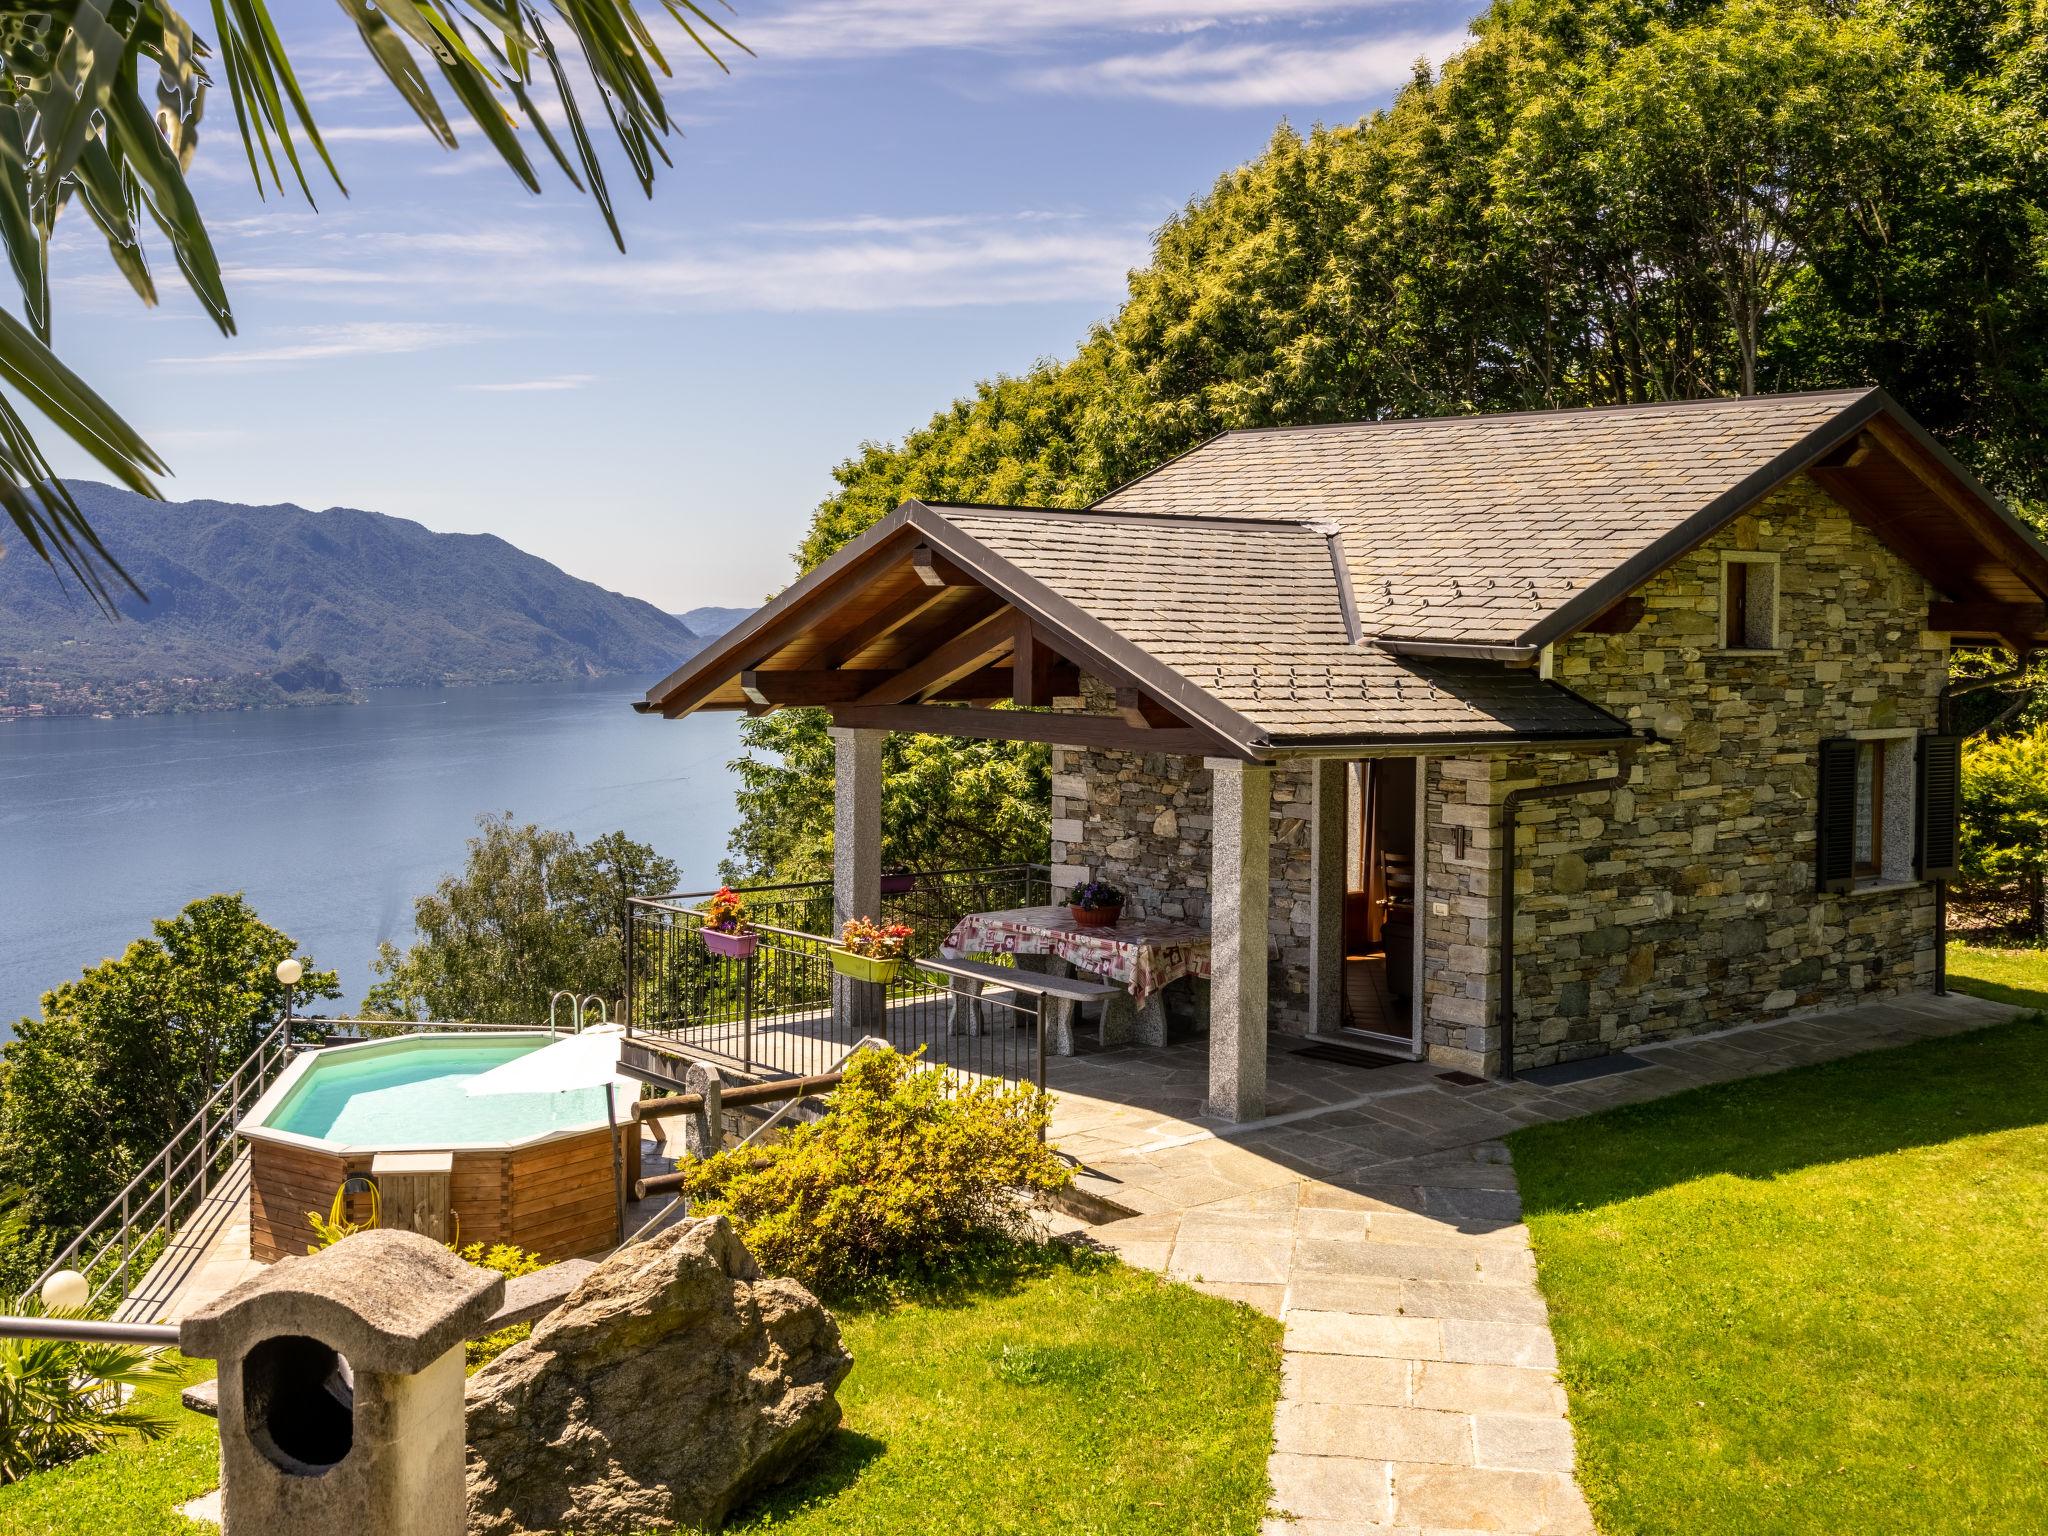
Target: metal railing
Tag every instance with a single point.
(110, 1250)
(785, 1010)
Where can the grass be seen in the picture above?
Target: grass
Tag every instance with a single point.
(1081, 1397)
(2016, 976)
(135, 1488)
(1088, 1400)
(1810, 1302)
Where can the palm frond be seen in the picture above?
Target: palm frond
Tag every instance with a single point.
(75, 125)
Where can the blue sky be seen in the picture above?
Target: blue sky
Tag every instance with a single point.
(895, 198)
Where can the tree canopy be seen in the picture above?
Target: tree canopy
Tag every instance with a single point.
(120, 1058)
(533, 912)
(1596, 201)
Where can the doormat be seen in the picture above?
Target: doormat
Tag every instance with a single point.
(1460, 1079)
(1349, 1056)
(1583, 1070)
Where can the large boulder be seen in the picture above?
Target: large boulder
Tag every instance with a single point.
(671, 1385)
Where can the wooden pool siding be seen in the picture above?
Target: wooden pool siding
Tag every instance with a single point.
(554, 1198)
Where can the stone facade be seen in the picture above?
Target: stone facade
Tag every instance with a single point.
(1680, 901)
(1142, 822)
(1685, 900)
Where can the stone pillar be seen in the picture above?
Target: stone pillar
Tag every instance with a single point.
(856, 863)
(341, 1388)
(1241, 877)
(1329, 827)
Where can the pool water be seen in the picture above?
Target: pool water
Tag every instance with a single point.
(409, 1093)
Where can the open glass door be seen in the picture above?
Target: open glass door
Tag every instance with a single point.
(1382, 922)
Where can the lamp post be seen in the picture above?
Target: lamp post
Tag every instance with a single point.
(289, 970)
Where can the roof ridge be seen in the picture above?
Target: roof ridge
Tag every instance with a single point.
(1844, 393)
(1137, 515)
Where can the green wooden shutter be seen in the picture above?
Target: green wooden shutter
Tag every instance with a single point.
(1938, 803)
(1835, 852)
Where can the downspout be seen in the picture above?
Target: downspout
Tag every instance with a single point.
(1511, 803)
(1944, 722)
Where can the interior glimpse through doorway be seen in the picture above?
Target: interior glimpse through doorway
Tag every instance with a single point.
(1380, 918)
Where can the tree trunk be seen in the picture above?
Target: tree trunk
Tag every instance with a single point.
(2037, 903)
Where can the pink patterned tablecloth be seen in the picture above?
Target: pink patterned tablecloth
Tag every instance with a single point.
(1142, 953)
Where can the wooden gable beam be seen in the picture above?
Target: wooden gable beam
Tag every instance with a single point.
(934, 570)
(1031, 669)
(1142, 712)
(810, 686)
(2010, 547)
(791, 624)
(879, 625)
(964, 653)
(1104, 731)
(2000, 619)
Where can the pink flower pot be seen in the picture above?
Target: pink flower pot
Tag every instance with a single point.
(734, 946)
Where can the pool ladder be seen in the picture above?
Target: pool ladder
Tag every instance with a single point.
(579, 1010)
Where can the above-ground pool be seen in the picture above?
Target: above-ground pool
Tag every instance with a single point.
(530, 1169)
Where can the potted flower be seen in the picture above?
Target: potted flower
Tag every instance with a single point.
(871, 951)
(726, 930)
(1096, 904)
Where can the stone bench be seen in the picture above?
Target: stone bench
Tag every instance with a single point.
(1065, 996)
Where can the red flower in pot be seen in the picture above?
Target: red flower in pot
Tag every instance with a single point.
(726, 930)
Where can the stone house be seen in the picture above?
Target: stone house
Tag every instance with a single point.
(1502, 740)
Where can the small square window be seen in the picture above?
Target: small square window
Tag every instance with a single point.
(1749, 603)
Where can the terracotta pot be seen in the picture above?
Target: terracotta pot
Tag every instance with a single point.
(865, 967)
(735, 946)
(1096, 917)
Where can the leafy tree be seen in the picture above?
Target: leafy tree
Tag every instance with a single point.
(104, 104)
(127, 1053)
(2005, 816)
(1596, 201)
(533, 912)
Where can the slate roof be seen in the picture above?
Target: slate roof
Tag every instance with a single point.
(1251, 613)
(1479, 529)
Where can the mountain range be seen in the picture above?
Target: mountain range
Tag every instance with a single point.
(265, 605)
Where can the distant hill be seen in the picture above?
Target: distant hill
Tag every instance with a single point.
(710, 623)
(279, 605)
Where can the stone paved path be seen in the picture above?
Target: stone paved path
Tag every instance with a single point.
(1376, 1215)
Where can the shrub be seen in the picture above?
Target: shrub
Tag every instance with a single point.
(511, 1263)
(902, 1180)
(60, 1401)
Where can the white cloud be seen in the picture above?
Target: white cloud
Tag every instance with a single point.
(1261, 74)
(355, 338)
(855, 28)
(852, 262)
(560, 381)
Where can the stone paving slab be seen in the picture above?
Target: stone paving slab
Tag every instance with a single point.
(1376, 1215)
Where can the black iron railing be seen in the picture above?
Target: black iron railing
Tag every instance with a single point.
(785, 1009)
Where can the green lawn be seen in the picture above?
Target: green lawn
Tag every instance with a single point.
(2017, 976)
(134, 1489)
(1089, 1400)
(1811, 1302)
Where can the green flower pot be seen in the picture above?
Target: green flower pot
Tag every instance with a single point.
(865, 967)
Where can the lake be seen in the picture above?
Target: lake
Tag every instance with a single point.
(331, 820)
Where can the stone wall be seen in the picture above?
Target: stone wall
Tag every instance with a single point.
(1686, 900)
(1141, 821)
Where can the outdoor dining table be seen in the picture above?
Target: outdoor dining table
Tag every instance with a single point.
(1142, 955)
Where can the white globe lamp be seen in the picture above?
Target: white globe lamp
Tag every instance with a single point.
(66, 1291)
(289, 970)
